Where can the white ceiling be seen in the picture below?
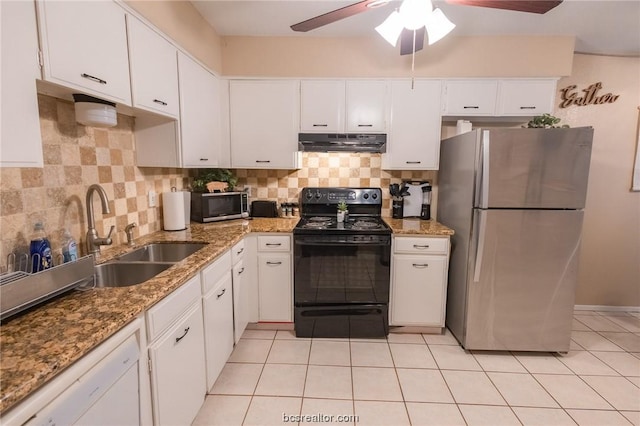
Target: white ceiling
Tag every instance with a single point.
(609, 27)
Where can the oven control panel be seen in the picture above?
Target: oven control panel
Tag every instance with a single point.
(338, 195)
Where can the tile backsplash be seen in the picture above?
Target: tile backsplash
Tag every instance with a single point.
(75, 157)
(328, 169)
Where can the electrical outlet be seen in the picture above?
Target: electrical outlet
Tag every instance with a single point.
(152, 198)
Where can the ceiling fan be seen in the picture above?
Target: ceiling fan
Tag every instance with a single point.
(413, 40)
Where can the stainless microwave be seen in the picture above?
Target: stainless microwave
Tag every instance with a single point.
(214, 206)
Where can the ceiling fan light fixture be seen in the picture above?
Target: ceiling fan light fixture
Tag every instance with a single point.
(438, 26)
(414, 13)
(377, 3)
(391, 28)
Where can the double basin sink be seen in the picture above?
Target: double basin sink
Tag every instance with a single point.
(143, 263)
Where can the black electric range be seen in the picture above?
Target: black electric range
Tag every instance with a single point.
(341, 268)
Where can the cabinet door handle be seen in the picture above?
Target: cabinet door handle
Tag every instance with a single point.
(527, 107)
(420, 265)
(204, 159)
(186, 330)
(365, 125)
(274, 263)
(241, 271)
(240, 251)
(96, 79)
(263, 161)
(413, 162)
(471, 107)
(273, 244)
(320, 125)
(218, 296)
(420, 247)
(158, 101)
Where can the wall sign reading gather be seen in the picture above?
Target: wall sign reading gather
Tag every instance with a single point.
(569, 96)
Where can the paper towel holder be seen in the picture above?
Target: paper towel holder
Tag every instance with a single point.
(173, 210)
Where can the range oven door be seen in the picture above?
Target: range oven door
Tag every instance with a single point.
(334, 269)
(341, 286)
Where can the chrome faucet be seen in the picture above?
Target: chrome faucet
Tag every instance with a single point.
(129, 231)
(93, 240)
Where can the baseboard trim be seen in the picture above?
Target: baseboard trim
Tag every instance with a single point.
(606, 308)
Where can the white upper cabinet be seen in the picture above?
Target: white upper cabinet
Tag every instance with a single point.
(264, 121)
(526, 97)
(470, 97)
(414, 131)
(366, 106)
(499, 98)
(84, 44)
(154, 70)
(322, 106)
(199, 114)
(21, 143)
(338, 106)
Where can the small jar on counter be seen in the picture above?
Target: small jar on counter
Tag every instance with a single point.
(295, 210)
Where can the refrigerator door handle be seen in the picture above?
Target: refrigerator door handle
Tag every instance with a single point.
(484, 173)
(480, 245)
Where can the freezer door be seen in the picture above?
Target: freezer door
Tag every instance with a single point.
(521, 285)
(534, 168)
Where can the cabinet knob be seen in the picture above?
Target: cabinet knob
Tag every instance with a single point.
(96, 79)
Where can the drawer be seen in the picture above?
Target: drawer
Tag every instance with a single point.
(237, 252)
(165, 312)
(416, 245)
(212, 274)
(274, 243)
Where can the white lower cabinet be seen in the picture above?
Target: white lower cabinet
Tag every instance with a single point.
(419, 281)
(177, 356)
(275, 278)
(240, 291)
(217, 305)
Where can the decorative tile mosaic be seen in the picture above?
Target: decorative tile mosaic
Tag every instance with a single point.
(75, 157)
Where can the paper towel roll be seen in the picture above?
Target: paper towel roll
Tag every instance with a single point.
(187, 207)
(173, 210)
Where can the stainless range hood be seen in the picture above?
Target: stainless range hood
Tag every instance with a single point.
(342, 142)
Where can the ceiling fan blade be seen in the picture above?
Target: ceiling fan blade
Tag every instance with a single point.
(532, 6)
(333, 16)
(406, 41)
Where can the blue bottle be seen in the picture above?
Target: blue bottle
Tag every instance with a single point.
(40, 249)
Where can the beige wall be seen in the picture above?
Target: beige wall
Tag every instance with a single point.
(183, 23)
(610, 258)
(489, 56)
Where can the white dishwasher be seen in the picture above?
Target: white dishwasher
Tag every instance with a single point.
(108, 394)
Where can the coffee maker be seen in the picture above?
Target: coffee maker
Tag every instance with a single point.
(425, 211)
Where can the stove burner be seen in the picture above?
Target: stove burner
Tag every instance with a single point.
(365, 224)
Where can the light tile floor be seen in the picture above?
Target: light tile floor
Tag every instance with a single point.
(272, 378)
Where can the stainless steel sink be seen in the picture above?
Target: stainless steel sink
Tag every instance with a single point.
(162, 252)
(124, 274)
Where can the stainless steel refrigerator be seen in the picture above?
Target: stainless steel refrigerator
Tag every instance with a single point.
(515, 199)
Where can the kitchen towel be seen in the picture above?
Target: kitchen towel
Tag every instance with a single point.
(173, 210)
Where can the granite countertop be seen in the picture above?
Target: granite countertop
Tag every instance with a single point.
(37, 345)
(415, 226)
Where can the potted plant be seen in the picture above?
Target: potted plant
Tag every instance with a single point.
(545, 121)
(342, 211)
(206, 176)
